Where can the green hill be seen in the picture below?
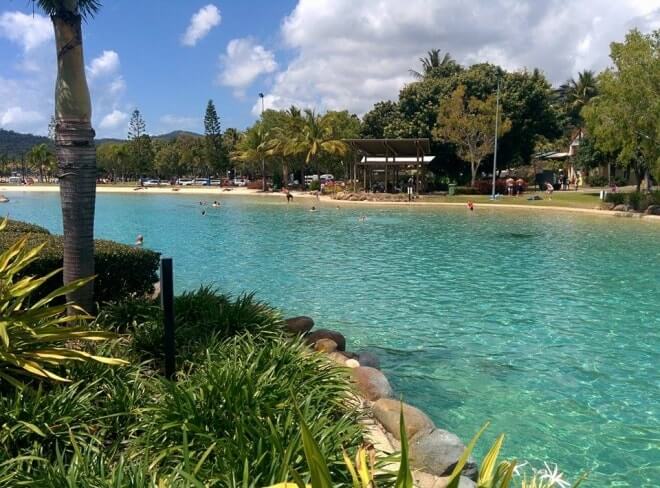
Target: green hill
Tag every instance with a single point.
(15, 144)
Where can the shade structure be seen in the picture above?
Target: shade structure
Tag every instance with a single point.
(389, 164)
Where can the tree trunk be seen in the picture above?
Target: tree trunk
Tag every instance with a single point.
(473, 170)
(76, 156)
(263, 174)
(285, 175)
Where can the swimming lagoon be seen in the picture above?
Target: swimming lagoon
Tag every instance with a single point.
(545, 323)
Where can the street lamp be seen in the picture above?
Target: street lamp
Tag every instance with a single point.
(263, 161)
(497, 121)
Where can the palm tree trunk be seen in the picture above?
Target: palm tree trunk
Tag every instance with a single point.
(263, 174)
(76, 156)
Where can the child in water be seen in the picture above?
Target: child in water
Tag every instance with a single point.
(470, 205)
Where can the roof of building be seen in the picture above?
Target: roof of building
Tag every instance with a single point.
(390, 147)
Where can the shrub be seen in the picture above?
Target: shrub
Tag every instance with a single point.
(315, 185)
(615, 198)
(16, 226)
(636, 200)
(237, 413)
(466, 190)
(121, 270)
(597, 180)
(202, 317)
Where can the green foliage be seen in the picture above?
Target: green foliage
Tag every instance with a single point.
(215, 152)
(597, 180)
(375, 121)
(625, 118)
(122, 270)
(639, 201)
(18, 227)
(235, 412)
(34, 338)
(616, 198)
(315, 185)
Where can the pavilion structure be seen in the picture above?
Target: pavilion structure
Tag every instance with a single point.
(381, 163)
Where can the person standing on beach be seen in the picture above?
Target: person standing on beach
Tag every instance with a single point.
(509, 186)
(411, 182)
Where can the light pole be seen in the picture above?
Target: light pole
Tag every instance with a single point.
(263, 161)
(497, 124)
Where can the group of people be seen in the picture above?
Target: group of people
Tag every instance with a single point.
(514, 187)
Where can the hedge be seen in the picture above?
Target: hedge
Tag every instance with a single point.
(121, 270)
(23, 227)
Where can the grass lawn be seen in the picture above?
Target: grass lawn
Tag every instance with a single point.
(573, 199)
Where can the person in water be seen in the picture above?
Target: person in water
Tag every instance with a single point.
(470, 205)
(313, 209)
(289, 196)
(216, 203)
(139, 241)
(203, 212)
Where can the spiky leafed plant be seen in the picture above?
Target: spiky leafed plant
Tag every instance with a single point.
(34, 337)
(74, 144)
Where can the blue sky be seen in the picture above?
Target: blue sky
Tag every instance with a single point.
(168, 57)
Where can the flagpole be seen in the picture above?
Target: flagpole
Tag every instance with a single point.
(497, 120)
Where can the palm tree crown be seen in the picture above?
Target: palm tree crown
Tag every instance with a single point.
(434, 65)
(85, 8)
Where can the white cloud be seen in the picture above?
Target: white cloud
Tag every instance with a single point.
(351, 61)
(114, 120)
(243, 62)
(17, 116)
(27, 30)
(105, 64)
(201, 23)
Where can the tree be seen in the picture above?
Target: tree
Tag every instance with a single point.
(624, 119)
(139, 144)
(470, 125)
(74, 144)
(376, 120)
(318, 137)
(253, 148)
(435, 67)
(40, 158)
(215, 152)
(574, 95)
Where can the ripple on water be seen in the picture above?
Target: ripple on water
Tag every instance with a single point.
(546, 324)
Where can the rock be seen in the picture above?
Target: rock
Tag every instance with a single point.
(607, 206)
(368, 359)
(622, 207)
(352, 363)
(437, 452)
(388, 413)
(299, 325)
(426, 480)
(371, 383)
(338, 358)
(653, 210)
(325, 345)
(318, 334)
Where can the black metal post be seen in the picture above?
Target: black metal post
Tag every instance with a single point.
(167, 302)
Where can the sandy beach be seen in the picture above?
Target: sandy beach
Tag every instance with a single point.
(241, 191)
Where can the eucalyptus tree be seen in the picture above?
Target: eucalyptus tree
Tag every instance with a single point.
(74, 143)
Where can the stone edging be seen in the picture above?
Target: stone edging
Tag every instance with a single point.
(433, 452)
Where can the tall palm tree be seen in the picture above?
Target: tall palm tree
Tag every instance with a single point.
(40, 158)
(316, 138)
(74, 143)
(434, 64)
(253, 147)
(279, 143)
(576, 94)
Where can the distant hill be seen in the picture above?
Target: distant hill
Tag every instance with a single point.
(15, 144)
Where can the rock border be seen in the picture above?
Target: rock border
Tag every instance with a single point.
(433, 452)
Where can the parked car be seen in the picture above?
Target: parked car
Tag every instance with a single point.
(327, 178)
(240, 181)
(201, 181)
(216, 182)
(151, 182)
(16, 179)
(184, 181)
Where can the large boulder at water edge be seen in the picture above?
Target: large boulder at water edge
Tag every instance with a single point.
(622, 207)
(312, 337)
(299, 325)
(368, 359)
(371, 383)
(388, 413)
(437, 452)
(653, 210)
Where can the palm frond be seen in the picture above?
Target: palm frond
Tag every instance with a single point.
(86, 8)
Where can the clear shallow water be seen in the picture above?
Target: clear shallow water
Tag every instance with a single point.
(547, 324)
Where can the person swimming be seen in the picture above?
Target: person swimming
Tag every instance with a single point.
(215, 203)
(203, 212)
(313, 209)
(470, 205)
(362, 218)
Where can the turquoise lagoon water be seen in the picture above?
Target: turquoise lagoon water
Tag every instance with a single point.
(547, 324)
